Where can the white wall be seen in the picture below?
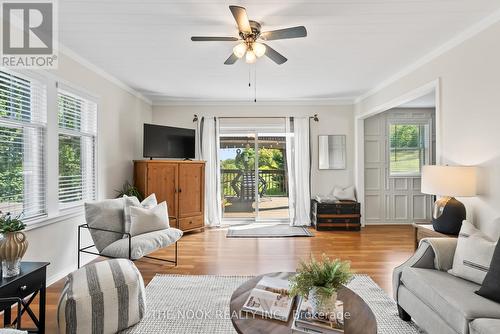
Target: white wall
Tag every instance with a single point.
(470, 115)
(120, 118)
(333, 120)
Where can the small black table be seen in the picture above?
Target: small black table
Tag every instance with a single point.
(30, 281)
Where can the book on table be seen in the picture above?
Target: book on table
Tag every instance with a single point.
(270, 299)
(307, 322)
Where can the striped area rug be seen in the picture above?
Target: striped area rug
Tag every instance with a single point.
(200, 304)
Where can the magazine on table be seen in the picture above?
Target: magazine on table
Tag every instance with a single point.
(270, 299)
(307, 322)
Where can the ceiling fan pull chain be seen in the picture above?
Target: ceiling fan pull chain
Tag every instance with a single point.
(255, 84)
(249, 77)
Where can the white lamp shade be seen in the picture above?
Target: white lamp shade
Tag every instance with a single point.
(259, 49)
(250, 57)
(240, 50)
(450, 181)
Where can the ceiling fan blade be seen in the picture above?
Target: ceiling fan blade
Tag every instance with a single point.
(241, 17)
(231, 60)
(294, 32)
(213, 39)
(274, 55)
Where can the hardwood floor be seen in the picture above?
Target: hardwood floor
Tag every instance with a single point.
(375, 251)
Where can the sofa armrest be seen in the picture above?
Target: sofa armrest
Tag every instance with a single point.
(432, 253)
(444, 251)
(422, 258)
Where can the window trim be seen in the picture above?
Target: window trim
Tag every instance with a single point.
(53, 212)
(427, 149)
(31, 76)
(85, 95)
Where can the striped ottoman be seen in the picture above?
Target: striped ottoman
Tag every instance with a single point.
(101, 298)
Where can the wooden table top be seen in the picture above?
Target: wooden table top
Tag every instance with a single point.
(361, 319)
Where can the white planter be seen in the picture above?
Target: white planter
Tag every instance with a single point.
(322, 305)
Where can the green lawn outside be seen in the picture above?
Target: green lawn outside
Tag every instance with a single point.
(407, 161)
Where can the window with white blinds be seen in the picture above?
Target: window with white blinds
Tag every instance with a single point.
(77, 119)
(23, 120)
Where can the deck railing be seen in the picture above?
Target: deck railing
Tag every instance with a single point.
(275, 180)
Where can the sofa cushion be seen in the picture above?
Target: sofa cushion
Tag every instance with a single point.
(485, 326)
(473, 254)
(491, 284)
(148, 220)
(451, 297)
(143, 244)
(106, 214)
(130, 201)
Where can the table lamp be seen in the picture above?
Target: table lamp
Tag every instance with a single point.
(447, 182)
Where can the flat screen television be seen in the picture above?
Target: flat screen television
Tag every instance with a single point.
(168, 142)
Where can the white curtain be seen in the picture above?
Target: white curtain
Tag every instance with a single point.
(298, 163)
(209, 148)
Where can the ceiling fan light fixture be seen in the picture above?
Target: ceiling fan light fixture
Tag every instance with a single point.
(250, 57)
(259, 49)
(240, 50)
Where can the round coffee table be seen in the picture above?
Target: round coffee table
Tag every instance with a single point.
(361, 320)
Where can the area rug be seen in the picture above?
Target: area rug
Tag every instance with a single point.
(264, 230)
(200, 304)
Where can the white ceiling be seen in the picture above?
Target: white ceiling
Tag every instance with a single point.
(352, 45)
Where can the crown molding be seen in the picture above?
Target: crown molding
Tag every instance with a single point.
(465, 35)
(96, 69)
(291, 102)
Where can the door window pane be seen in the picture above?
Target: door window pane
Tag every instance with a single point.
(408, 149)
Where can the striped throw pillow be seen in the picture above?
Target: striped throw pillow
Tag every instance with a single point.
(473, 254)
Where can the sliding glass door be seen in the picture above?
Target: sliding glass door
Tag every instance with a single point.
(254, 180)
(237, 155)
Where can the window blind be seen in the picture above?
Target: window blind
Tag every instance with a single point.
(77, 119)
(23, 117)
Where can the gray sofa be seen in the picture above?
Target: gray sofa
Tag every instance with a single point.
(438, 302)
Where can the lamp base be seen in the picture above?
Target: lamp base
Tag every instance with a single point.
(448, 215)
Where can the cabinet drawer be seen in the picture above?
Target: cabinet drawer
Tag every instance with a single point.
(25, 286)
(190, 223)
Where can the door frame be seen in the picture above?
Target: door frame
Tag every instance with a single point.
(359, 132)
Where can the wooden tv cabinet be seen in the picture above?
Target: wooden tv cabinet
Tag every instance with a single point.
(181, 183)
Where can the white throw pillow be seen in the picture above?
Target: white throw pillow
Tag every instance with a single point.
(325, 198)
(148, 220)
(473, 254)
(148, 203)
(344, 194)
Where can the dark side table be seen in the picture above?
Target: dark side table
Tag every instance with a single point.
(30, 282)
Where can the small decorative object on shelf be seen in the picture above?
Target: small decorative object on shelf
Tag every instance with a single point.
(319, 281)
(14, 244)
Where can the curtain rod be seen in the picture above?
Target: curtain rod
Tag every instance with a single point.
(315, 117)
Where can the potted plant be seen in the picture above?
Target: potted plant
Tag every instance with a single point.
(14, 244)
(319, 281)
(129, 190)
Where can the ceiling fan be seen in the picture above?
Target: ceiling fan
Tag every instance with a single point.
(250, 36)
